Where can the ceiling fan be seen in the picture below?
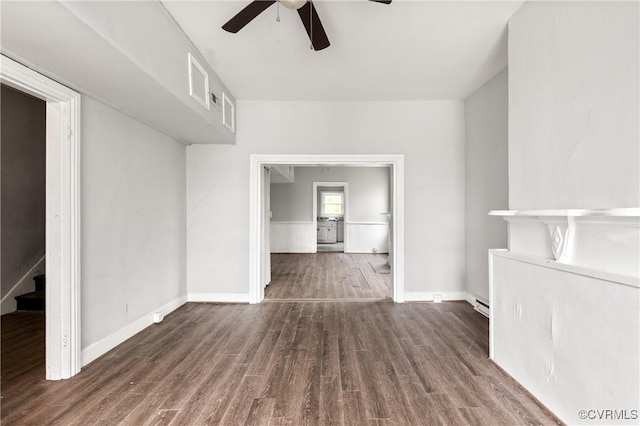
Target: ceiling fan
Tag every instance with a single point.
(305, 8)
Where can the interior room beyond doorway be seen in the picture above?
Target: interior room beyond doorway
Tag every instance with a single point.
(329, 232)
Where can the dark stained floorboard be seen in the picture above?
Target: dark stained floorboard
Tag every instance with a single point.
(327, 276)
(280, 362)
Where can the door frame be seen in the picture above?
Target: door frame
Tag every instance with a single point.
(256, 194)
(345, 188)
(62, 245)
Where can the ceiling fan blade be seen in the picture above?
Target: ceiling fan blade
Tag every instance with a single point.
(247, 15)
(312, 24)
(382, 1)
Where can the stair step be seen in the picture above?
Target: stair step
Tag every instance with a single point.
(33, 301)
(40, 282)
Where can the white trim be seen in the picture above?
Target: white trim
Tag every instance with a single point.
(24, 285)
(366, 223)
(286, 222)
(101, 347)
(323, 203)
(572, 269)
(62, 216)
(446, 296)
(427, 296)
(202, 99)
(491, 256)
(228, 122)
(471, 299)
(619, 212)
(218, 297)
(395, 161)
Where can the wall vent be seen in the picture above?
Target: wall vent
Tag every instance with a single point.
(198, 82)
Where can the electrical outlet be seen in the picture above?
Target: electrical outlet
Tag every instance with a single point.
(374, 249)
(437, 298)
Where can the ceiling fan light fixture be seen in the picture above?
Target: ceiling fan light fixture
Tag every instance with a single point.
(292, 4)
(306, 11)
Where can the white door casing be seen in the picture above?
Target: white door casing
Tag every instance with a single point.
(62, 246)
(256, 191)
(266, 224)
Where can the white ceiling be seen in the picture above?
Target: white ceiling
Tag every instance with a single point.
(408, 50)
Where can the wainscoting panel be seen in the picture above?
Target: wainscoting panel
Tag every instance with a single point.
(293, 237)
(363, 237)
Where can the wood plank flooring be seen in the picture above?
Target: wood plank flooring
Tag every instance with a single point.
(327, 276)
(317, 363)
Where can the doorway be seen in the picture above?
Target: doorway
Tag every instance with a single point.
(23, 236)
(62, 215)
(395, 163)
(330, 208)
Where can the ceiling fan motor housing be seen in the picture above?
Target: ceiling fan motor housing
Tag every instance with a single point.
(293, 4)
(306, 11)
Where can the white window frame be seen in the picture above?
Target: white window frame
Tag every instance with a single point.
(322, 203)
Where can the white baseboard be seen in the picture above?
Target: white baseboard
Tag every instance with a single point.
(471, 299)
(420, 296)
(365, 252)
(427, 296)
(288, 251)
(23, 286)
(219, 297)
(103, 346)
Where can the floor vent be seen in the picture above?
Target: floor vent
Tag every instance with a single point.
(482, 307)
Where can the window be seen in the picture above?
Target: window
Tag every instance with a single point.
(332, 203)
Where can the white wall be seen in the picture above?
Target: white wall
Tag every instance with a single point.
(23, 192)
(573, 96)
(367, 197)
(133, 225)
(573, 143)
(569, 337)
(430, 134)
(486, 178)
(368, 193)
(131, 55)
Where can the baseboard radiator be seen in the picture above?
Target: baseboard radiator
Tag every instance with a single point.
(481, 306)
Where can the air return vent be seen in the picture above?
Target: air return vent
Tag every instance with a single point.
(198, 82)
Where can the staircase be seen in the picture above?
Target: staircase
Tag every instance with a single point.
(33, 301)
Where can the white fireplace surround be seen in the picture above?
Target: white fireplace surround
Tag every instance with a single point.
(603, 240)
(564, 305)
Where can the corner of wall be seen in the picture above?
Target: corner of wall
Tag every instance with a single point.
(104, 345)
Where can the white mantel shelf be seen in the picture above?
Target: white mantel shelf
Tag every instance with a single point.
(606, 240)
(622, 212)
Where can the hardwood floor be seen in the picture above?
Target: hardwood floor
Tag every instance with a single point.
(22, 350)
(327, 276)
(282, 363)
